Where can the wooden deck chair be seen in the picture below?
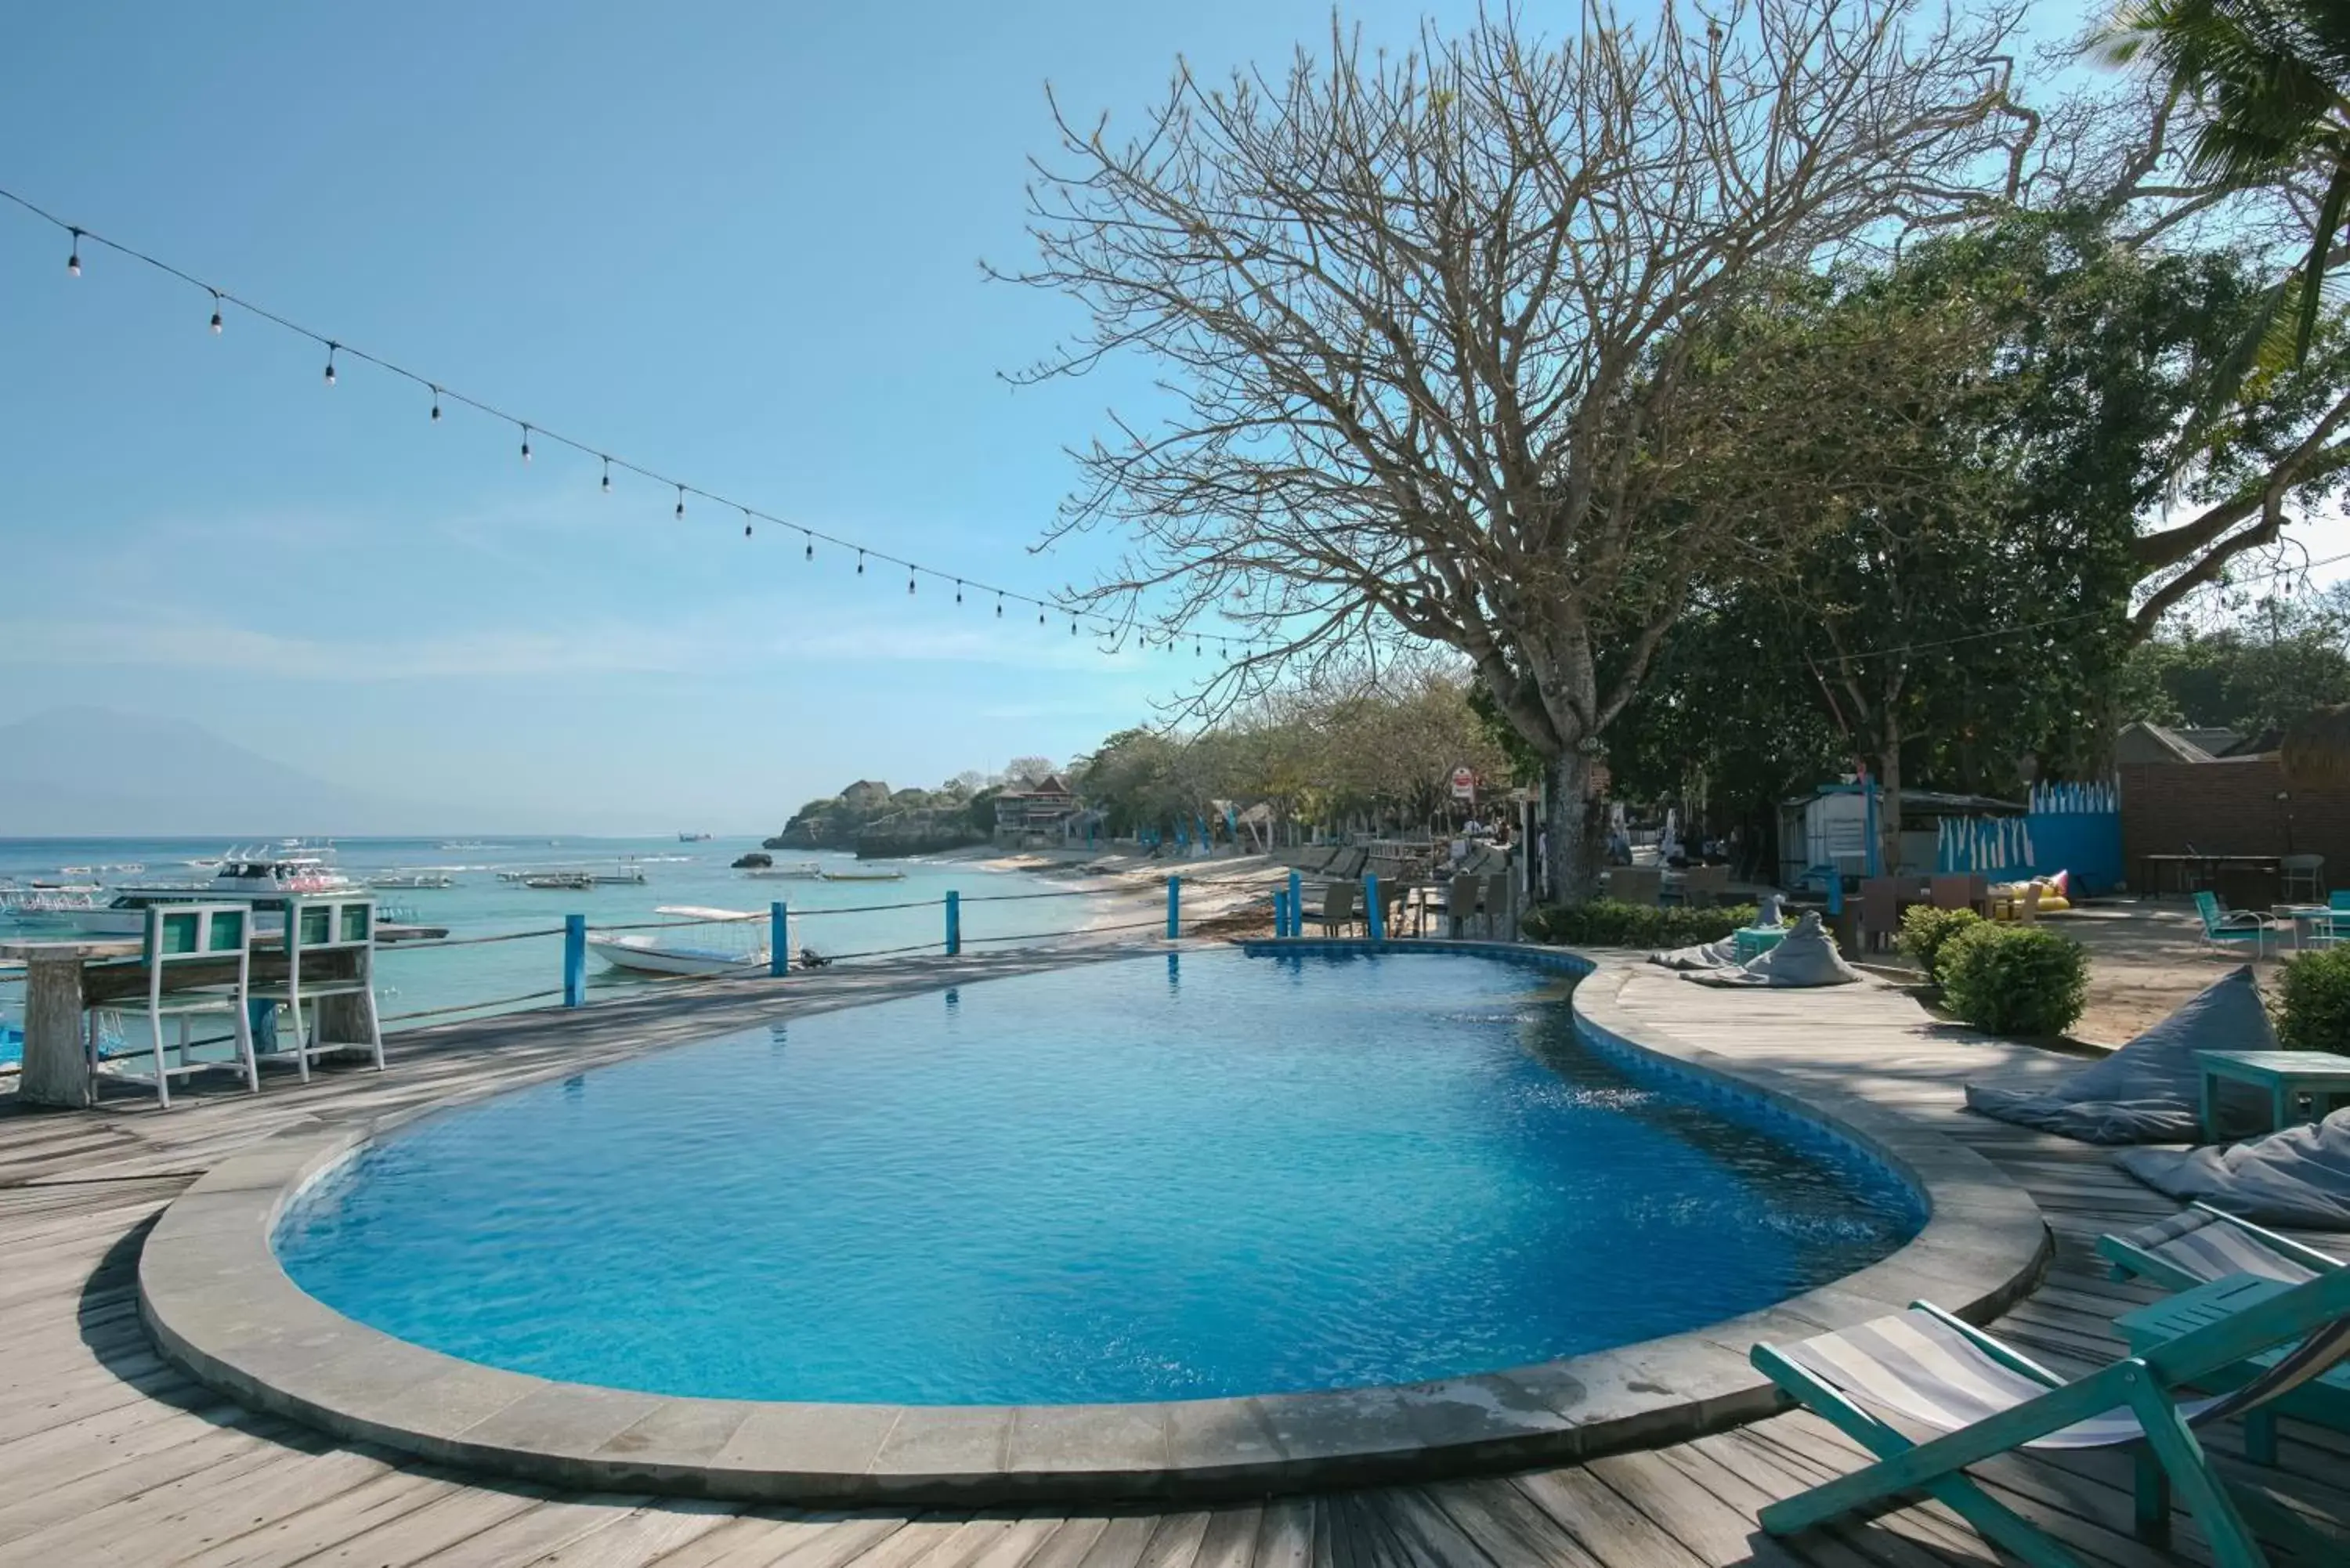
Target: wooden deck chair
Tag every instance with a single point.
(181, 938)
(1341, 906)
(1985, 1399)
(315, 928)
(2202, 1243)
(1464, 899)
(1391, 897)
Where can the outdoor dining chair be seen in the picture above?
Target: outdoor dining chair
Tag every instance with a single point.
(181, 938)
(319, 930)
(2224, 929)
(1341, 907)
(2299, 878)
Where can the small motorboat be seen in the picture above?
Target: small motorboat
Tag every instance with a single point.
(411, 879)
(800, 871)
(651, 952)
(863, 874)
(567, 881)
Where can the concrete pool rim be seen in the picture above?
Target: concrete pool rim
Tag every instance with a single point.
(212, 1294)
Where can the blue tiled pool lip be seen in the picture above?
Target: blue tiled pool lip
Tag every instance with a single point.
(214, 1296)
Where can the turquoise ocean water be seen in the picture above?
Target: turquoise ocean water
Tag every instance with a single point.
(481, 904)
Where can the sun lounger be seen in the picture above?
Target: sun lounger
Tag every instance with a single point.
(2201, 1243)
(1925, 1367)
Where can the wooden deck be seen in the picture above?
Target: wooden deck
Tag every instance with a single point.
(108, 1456)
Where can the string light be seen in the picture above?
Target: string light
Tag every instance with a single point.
(220, 299)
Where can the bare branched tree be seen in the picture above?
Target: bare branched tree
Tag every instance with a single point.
(1436, 329)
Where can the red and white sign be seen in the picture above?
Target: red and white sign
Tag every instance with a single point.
(1464, 785)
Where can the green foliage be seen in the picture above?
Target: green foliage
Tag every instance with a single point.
(1925, 931)
(2014, 980)
(2284, 656)
(981, 810)
(2313, 1013)
(1607, 923)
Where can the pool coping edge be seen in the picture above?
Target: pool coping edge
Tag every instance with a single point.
(212, 1294)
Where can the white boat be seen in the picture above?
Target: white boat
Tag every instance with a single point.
(411, 879)
(651, 952)
(803, 871)
(243, 876)
(570, 881)
(693, 838)
(865, 873)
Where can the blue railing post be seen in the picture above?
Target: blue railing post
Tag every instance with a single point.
(1174, 908)
(779, 939)
(575, 960)
(1296, 906)
(1373, 921)
(954, 922)
(1280, 912)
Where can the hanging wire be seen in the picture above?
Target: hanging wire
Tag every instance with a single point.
(439, 391)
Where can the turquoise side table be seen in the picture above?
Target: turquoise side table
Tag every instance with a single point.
(2285, 1075)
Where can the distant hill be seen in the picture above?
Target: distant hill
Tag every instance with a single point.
(90, 771)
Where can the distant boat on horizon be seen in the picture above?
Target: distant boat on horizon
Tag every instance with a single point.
(693, 838)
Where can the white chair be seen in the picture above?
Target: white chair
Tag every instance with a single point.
(181, 938)
(315, 928)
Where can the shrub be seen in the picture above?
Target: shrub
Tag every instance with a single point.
(2313, 1010)
(1607, 923)
(2014, 980)
(1925, 930)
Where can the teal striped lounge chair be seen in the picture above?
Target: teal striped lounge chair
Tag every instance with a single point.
(1983, 1398)
(2202, 1243)
(2224, 929)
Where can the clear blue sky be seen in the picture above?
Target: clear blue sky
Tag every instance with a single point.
(737, 242)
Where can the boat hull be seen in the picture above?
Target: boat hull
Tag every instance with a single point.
(642, 956)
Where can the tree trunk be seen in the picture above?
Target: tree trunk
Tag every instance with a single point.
(1888, 799)
(1574, 828)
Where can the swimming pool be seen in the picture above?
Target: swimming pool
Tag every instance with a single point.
(1171, 1177)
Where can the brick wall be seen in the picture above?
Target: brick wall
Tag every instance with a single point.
(2231, 807)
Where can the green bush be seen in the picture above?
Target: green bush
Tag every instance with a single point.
(1606, 924)
(2313, 1012)
(2014, 980)
(1925, 930)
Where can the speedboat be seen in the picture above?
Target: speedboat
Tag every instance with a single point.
(243, 876)
(648, 952)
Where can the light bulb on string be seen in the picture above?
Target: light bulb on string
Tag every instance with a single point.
(330, 362)
(860, 563)
(436, 405)
(73, 260)
(746, 521)
(810, 553)
(999, 606)
(525, 443)
(216, 314)
(909, 579)
(681, 502)
(608, 476)
(958, 590)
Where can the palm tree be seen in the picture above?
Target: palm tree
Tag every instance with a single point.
(2274, 78)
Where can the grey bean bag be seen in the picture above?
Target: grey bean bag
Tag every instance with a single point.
(1722, 954)
(2149, 1091)
(2297, 1177)
(1804, 956)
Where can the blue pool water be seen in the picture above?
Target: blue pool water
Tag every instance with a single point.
(1152, 1178)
